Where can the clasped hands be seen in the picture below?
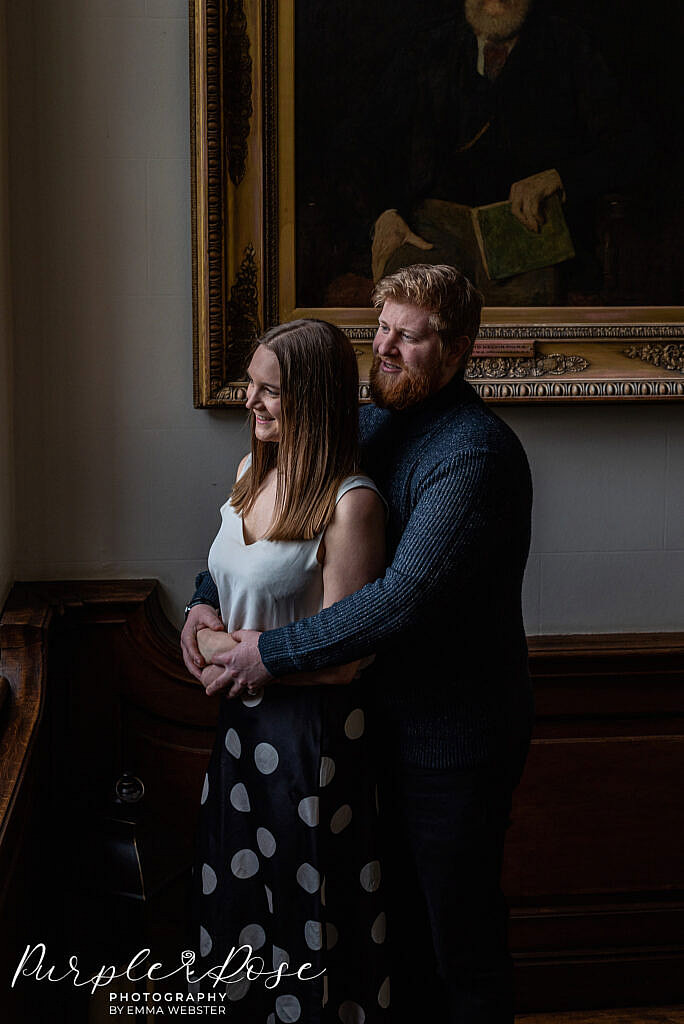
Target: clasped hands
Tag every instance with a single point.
(230, 663)
(221, 661)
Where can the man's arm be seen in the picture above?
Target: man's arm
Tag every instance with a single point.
(205, 590)
(447, 531)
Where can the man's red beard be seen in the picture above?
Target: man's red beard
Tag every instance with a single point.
(398, 390)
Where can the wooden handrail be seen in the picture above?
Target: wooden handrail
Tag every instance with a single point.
(5, 692)
(22, 696)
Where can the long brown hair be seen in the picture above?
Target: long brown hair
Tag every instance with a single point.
(318, 447)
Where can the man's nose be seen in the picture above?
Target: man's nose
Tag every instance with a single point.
(385, 343)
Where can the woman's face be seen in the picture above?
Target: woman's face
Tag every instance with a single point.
(263, 394)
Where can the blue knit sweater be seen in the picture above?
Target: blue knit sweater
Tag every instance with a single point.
(450, 685)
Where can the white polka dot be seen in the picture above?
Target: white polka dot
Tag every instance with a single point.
(355, 724)
(279, 957)
(244, 864)
(252, 935)
(308, 810)
(370, 876)
(379, 928)
(323, 892)
(325, 989)
(266, 758)
(313, 933)
(269, 899)
(205, 942)
(233, 745)
(252, 701)
(384, 994)
(208, 879)
(327, 771)
(351, 1013)
(237, 988)
(331, 935)
(239, 798)
(205, 790)
(308, 877)
(266, 842)
(341, 818)
(288, 1008)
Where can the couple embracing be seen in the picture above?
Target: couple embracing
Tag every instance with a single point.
(365, 633)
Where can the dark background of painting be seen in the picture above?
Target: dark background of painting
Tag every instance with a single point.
(341, 53)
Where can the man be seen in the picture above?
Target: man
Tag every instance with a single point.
(496, 25)
(450, 686)
(508, 103)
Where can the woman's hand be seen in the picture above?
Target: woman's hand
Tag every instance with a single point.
(211, 642)
(209, 675)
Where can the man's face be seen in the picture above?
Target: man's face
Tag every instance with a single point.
(498, 20)
(408, 361)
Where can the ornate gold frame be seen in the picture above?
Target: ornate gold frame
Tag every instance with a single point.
(242, 130)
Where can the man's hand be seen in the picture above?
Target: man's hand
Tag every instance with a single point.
(391, 231)
(527, 197)
(200, 616)
(243, 668)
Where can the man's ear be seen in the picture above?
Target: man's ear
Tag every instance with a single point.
(458, 350)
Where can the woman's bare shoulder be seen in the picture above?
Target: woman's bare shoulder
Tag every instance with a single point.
(243, 465)
(359, 504)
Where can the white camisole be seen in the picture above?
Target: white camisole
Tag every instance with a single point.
(268, 583)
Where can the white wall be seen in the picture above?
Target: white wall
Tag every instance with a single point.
(608, 528)
(117, 474)
(6, 446)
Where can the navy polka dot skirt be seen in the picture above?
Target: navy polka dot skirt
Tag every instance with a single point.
(288, 878)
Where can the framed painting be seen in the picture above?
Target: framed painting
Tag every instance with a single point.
(334, 143)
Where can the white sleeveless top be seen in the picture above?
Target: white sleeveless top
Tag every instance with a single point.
(268, 583)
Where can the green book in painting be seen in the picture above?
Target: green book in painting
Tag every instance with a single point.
(508, 247)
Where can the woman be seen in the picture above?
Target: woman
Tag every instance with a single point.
(287, 836)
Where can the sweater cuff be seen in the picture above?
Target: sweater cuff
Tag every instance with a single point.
(275, 653)
(205, 591)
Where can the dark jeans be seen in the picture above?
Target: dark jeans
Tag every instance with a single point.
(447, 917)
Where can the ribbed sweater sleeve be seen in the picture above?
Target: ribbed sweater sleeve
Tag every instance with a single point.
(205, 590)
(447, 527)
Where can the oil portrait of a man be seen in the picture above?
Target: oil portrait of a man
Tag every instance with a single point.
(531, 105)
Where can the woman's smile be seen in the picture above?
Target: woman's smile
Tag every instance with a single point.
(263, 394)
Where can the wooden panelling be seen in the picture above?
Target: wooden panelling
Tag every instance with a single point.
(594, 868)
